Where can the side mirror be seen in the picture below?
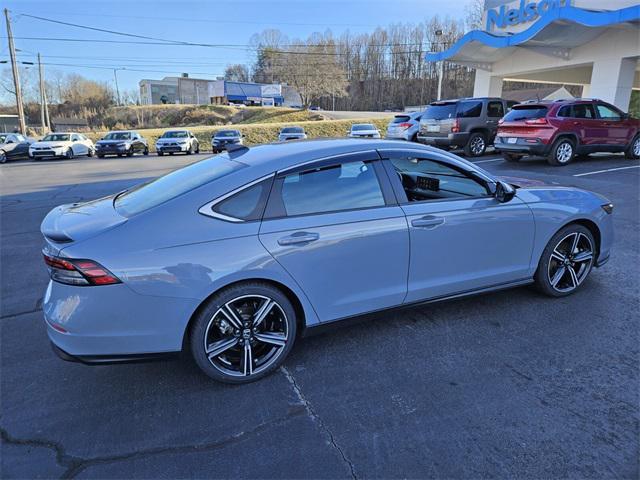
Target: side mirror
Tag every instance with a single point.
(504, 192)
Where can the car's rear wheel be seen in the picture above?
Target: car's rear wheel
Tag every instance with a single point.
(243, 333)
(562, 152)
(566, 261)
(511, 157)
(633, 150)
(476, 145)
(3, 156)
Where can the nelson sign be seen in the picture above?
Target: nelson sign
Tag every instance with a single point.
(504, 17)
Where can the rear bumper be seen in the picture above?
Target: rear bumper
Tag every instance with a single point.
(113, 321)
(111, 359)
(452, 139)
(524, 146)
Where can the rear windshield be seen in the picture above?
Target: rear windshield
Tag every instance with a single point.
(148, 195)
(401, 119)
(227, 133)
(525, 112)
(362, 126)
(292, 130)
(440, 111)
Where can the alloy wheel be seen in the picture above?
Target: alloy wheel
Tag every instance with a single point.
(477, 145)
(564, 152)
(3, 157)
(636, 147)
(570, 262)
(246, 335)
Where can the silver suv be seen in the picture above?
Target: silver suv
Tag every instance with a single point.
(404, 126)
(470, 123)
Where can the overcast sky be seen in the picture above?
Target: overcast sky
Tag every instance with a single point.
(214, 22)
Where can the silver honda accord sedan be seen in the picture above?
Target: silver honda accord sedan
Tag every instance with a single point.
(235, 256)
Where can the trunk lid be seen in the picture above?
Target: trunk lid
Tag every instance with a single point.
(78, 221)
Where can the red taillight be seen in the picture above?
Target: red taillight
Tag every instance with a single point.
(404, 125)
(456, 126)
(536, 121)
(79, 272)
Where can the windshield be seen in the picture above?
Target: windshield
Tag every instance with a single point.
(362, 126)
(292, 130)
(525, 112)
(178, 182)
(56, 137)
(179, 134)
(440, 111)
(118, 136)
(227, 133)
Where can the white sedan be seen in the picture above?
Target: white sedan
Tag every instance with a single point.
(67, 145)
(363, 130)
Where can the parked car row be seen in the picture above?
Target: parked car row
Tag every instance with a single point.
(559, 130)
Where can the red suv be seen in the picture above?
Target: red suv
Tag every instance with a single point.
(562, 129)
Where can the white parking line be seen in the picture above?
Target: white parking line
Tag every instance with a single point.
(605, 171)
(492, 160)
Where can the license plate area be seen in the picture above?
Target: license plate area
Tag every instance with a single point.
(512, 140)
(433, 128)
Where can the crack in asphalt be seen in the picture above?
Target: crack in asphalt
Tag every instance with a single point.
(26, 312)
(74, 465)
(314, 416)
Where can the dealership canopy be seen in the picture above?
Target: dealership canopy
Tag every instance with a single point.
(592, 43)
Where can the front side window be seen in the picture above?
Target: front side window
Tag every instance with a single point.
(347, 186)
(607, 113)
(424, 179)
(75, 138)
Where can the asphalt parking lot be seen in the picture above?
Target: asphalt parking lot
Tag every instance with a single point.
(511, 384)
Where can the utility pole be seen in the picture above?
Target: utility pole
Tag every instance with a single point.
(115, 75)
(440, 69)
(16, 75)
(43, 98)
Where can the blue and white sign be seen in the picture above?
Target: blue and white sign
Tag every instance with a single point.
(527, 11)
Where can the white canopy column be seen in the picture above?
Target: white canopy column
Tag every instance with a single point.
(612, 80)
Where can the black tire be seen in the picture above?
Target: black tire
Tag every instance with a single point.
(198, 149)
(90, 153)
(189, 150)
(562, 152)
(211, 324)
(100, 155)
(476, 145)
(550, 264)
(145, 151)
(160, 153)
(130, 152)
(511, 157)
(633, 150)
(170, 153)
(3, 157)
(69, 153)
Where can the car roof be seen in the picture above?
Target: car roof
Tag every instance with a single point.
(121, 131)
(278, 156)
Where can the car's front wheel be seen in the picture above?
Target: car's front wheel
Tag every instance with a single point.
(69, 153)
(243, 333)
(3, 156)
(566, 261)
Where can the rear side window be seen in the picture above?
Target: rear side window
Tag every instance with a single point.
(347, 186)
(469, 109)
(583, 110)
(495, 109)
(525, 112)
(247, 204)
(565, 111)
(148, 195)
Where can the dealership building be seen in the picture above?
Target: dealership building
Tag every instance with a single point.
(591, 43)
(187, 90)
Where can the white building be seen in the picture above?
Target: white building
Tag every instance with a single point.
(592, 43)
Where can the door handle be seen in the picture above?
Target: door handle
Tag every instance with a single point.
(298, 237)
(427, 222)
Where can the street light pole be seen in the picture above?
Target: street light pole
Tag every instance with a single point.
(43, 98)
(16, 76)
(440, 69)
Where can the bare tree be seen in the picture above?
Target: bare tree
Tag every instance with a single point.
(237, 73)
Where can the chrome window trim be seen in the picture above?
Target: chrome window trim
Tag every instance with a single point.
(207, 208)
(309, 163)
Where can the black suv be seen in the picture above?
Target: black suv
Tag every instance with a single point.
(470, 123)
